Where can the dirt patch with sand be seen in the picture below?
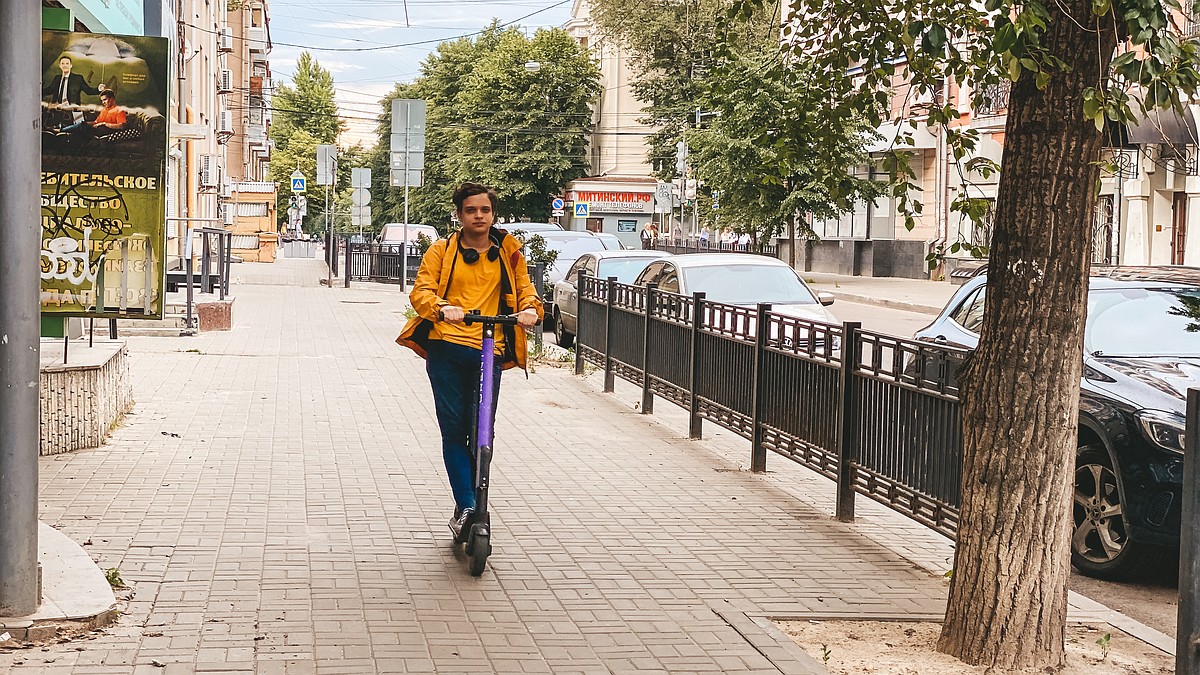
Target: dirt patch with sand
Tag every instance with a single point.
(910, 648)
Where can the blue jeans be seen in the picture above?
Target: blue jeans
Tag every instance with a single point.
(454, 375)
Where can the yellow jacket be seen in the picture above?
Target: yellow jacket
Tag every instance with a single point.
(435, 274)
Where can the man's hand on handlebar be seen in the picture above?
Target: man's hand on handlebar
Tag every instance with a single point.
(452, 314)
(527, 318)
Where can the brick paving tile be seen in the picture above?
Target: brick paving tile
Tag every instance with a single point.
(296, 523)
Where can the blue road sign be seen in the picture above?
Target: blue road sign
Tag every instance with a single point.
(298, 184)
(557, 204)
(581, 209)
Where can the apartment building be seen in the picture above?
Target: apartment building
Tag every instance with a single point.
(244, 83)
(620, 189)
(218, 150)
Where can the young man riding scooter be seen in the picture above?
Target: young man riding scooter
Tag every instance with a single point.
(481, 268)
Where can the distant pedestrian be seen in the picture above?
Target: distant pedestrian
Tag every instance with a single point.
(648, 236)
(704, 237)
(744, 241)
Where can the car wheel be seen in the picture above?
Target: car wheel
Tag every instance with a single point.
(561, 336)
(1100, 543)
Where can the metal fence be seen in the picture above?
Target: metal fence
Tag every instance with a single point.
(676, 246)
(878, 414)
(381, 262)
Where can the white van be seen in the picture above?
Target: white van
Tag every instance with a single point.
(393, 233)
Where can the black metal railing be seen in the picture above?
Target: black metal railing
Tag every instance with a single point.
(878, 414)
(380, 262)
(677, 246)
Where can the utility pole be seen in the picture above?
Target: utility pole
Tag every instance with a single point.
(20, 279)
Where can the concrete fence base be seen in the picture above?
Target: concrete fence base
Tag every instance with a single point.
(84, 396)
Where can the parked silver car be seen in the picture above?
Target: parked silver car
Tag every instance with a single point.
(744, 279)
(569, 245)
(739, 279)
(625, 265)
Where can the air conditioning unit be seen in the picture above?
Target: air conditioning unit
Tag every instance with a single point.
(225, 39)
(228, 215)
(225, 122)
(208, 171)
(225, 81)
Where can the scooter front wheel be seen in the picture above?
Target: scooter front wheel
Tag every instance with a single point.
(479, 547)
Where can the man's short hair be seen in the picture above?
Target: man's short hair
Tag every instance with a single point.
(467, 190)
(108, 93)
(60, 59)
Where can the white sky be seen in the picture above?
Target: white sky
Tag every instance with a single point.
(362, 77)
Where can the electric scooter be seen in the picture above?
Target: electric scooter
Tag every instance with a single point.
(476, 533)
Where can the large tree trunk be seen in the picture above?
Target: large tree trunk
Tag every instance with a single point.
(1008, 595)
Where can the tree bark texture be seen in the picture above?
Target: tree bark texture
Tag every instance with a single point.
(1008, 595)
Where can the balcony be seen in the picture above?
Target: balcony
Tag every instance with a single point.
(995, 99)
(256, 39)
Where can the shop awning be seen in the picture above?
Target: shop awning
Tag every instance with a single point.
(1167, 127)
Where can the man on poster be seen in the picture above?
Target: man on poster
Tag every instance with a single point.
(111, 118)
(68, 88)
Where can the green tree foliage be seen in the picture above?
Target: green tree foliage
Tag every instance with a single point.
(490, 120)
(672, 44)
(765, 149)
(303, 116)
(308, 104)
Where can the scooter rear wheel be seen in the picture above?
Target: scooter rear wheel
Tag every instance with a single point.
(479, 547)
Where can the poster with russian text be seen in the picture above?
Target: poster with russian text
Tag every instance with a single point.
(104, 148)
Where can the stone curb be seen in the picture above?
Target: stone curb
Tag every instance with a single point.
(886, 302)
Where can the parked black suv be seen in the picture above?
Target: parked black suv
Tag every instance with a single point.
(1141, 354)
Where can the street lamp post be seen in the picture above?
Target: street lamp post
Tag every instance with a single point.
(20, 155)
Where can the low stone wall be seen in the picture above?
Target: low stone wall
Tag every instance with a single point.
(82, 398)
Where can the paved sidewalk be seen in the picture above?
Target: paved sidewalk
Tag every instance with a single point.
(278, 505)
(914, 295)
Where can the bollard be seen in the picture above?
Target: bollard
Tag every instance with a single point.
(1187, 645)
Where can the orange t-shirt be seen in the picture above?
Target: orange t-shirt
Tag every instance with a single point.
(113, 115)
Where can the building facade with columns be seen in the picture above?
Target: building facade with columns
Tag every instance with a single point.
(620, 188)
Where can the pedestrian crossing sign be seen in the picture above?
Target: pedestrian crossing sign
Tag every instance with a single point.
(298, 184)
(581, 209)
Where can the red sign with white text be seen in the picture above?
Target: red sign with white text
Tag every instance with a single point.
(616, 202)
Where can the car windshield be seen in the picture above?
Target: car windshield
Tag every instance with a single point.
(624, 269)
(747, 284)
(1143, 322)
(570, 250)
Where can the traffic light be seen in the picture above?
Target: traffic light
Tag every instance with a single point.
(681, 153)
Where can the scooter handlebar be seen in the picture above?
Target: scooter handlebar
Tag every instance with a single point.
(475, 317)
(503, 319)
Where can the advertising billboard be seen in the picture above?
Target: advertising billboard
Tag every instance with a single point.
(104, 146)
